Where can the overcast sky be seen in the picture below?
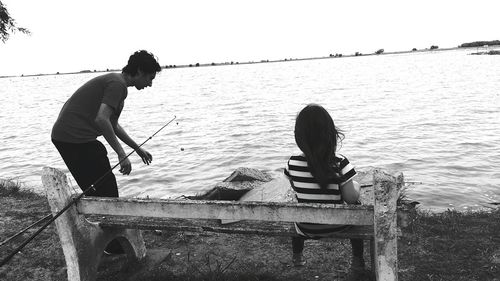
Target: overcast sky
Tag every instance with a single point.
(74, 35)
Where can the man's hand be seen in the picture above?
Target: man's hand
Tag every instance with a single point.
(125, 165)
(146, 156)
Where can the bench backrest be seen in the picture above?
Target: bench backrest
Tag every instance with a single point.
(228, 210)
(383, 208)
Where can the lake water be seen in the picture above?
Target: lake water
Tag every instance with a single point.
(435, 116)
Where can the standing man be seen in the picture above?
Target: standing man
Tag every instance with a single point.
(93, 110)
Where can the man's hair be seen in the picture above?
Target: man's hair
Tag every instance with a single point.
(143, 60)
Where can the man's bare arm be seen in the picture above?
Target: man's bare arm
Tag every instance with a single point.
(123, 136)
(103, 120)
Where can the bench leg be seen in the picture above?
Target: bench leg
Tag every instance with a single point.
(385, 225)
(83, 242)
(372, 254)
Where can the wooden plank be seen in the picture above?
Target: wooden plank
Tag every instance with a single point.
(228, 210)
(197, 225)
(385, 224)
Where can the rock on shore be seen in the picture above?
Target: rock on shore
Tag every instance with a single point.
(241, 181)
(248, 184)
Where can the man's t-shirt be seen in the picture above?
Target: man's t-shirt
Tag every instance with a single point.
(76, 121)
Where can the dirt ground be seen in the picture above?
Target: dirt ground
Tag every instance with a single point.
(199, 256)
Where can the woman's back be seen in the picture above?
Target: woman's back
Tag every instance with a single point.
(307, 188)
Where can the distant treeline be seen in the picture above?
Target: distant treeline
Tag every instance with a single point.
(480, 43)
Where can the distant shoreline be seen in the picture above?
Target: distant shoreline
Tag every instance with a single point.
(331, 56)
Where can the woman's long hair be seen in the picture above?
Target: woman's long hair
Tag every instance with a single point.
(317, 136)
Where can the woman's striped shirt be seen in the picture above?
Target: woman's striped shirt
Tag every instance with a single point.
(308, 190)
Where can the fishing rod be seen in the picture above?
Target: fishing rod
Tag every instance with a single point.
(74, 200)
(406, 183)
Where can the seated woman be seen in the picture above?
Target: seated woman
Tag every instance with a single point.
(318, 175)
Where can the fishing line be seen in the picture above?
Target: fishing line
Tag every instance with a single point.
(74, 200)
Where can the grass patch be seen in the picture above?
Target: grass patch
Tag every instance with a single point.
(42, 258)
(13, 187)
(451, 246)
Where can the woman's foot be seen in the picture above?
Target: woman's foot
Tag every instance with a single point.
(357, 263)
(358, 271)
(298, 260)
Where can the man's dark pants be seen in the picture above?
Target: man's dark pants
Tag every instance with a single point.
(88, 163)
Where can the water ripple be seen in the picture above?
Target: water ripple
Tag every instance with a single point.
(437, 125)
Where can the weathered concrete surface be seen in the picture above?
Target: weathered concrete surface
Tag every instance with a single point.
(83, 242)
(151, 213)
(248, 174)
(283, 229)
(236, 185)
(386, 189)
(226, 191)
(276, 190)
(365, 180)
(229, 210)
(405, 205)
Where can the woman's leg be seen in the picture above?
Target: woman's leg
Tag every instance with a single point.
(357, 248)
(297, 244)
(297, 248)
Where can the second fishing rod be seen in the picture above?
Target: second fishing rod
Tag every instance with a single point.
(75, 199)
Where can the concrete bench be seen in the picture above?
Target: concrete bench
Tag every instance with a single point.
(89, 225)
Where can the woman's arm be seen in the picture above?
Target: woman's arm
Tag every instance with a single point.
(350, 191)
